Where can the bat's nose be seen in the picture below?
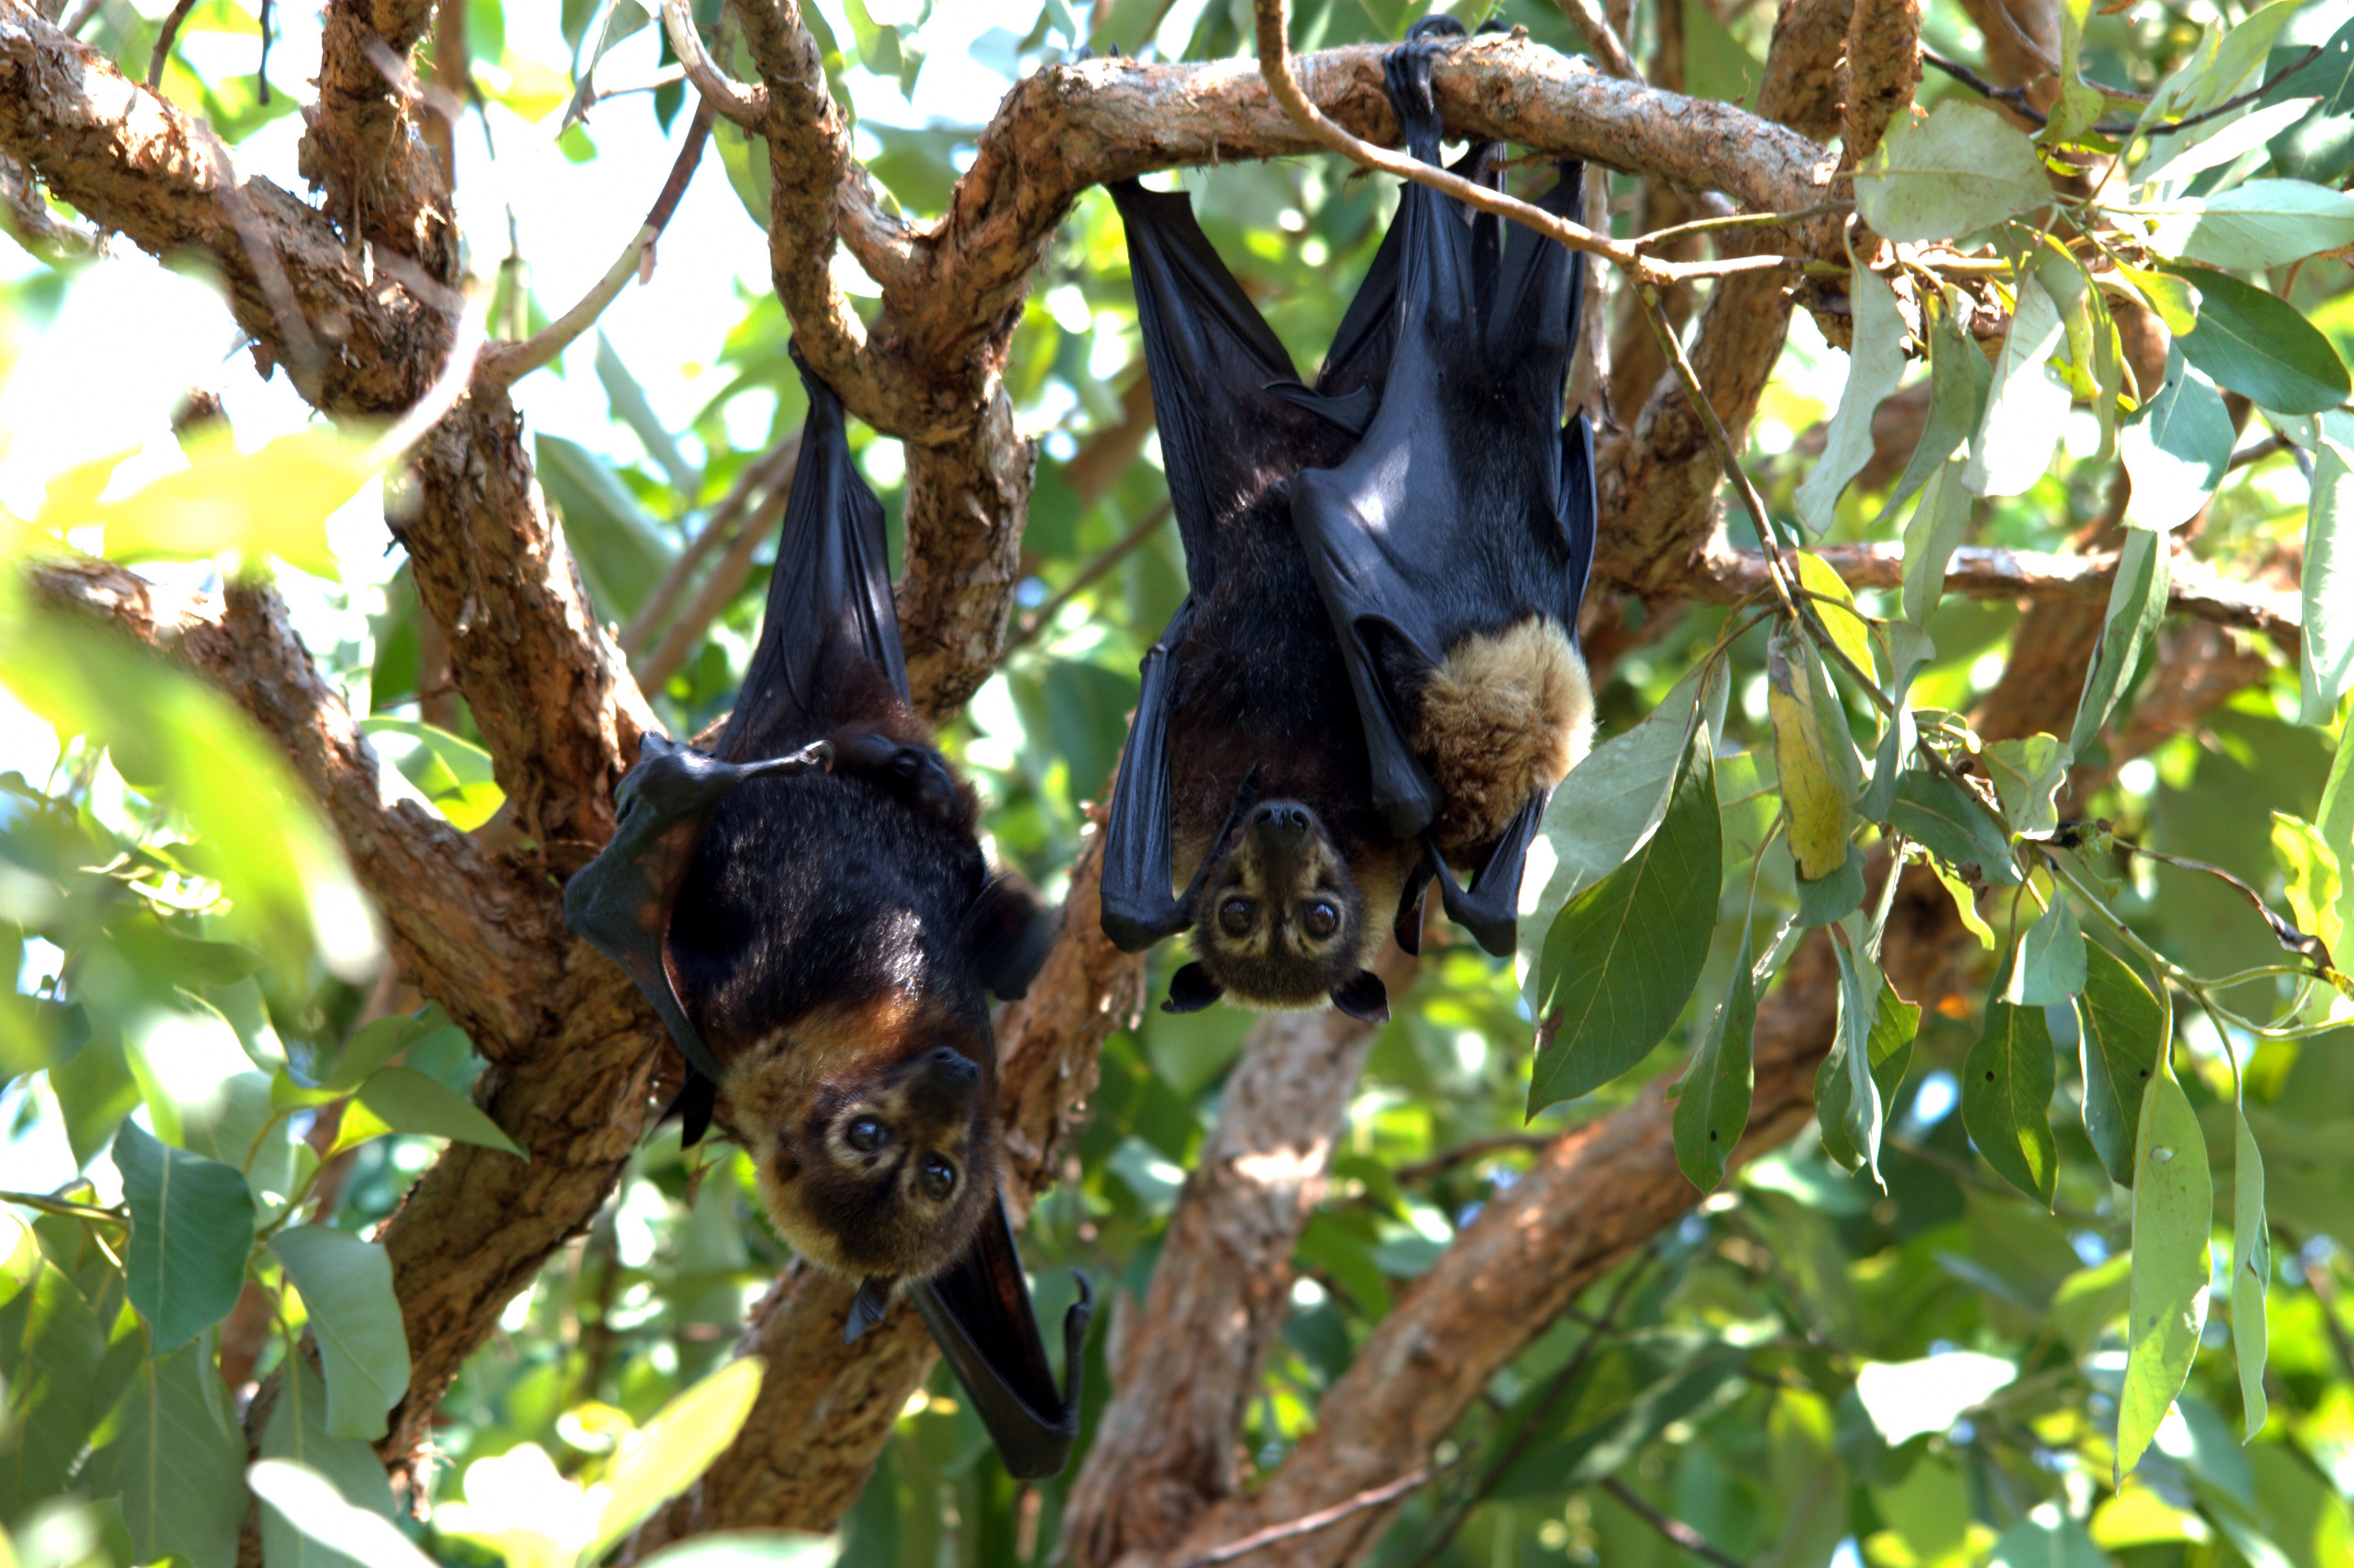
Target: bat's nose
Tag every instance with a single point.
(945, 1082)
(1280, 825)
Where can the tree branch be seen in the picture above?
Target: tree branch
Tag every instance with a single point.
(1187, 1366)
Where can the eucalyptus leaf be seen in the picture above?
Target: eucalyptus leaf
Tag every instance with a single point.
(1958, 379)
(411, 1102)
(346, 1285)
(50, 1347)
(1713, 1110)
(2327, 669)
(175, 1465)
(676, 1446)
(323, 1527)
(1935, 527)
(191, 1228)
(2137, 600)
(1814, 763)
(2176, 448)
(1624, 955)
(2263, 223)
(1874, 365)
(2259, 346)
(1951, 823)
(2121, 1030)
(2027, 407)
(2173, 1204)
(2051, 968)
(2007, 1083)
(2252, 1268)
(1964, 168)
(2027, 774)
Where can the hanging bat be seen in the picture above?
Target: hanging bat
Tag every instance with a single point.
(1375, 677)
(809, 912)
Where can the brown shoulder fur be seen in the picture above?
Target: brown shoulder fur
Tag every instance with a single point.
(1500, 719)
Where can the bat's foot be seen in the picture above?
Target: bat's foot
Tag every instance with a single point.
(917, 776)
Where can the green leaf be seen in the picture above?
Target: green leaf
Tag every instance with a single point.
(2027, 774)
(1963, 169)
(1834, 606)
(1713, 1110)
(191, 1228)
(2252, 1268)
(2028, 408)
(179, 1469)
(675, 1447)
(2051, 968)
(1874, 365)
(2047, 1539)
(2334, 824)
(2121, 1032)
(50, 1347)
(298, 1433)
(325, 1528)
(453, 773)
(1959, 381)
(2223, 143)
(2171, 298)
(2320, 145)
(1951, 823)
(1606, 806)
(1930, 534)
(2176, 448)
(620, 547)
(291, 894)
(2258, 344)
(411, 1102)
(2263, 223)
(346, 1285)
(273, 500)
(1867, 1062)
(2173, 1204)
(2137, 600)
(1624, 955)
(377, 1043)
(2007, 1083)
(1814, 761)
(629, 406)
(2327, 669)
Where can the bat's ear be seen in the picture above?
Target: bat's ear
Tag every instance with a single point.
(1364, 997)
(1008, 931)
(1190, 989)
(867, 1309)
(697, 1098)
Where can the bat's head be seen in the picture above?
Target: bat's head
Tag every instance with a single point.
(1281, 921)
(876, 1138)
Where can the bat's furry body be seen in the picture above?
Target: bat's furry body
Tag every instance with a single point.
(1375, 678)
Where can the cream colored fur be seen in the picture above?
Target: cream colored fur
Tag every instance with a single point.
(1502, 717)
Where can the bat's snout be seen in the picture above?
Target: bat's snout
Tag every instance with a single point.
(945, 1083)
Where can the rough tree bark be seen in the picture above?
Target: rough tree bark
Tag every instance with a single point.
(353, 298)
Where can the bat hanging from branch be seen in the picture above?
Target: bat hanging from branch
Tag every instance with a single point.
(809, 912)
(1374, 678)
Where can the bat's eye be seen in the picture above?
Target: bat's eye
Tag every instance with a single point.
(938, 1178)
(866, 1135)
(1234, 916)
(1320, 917)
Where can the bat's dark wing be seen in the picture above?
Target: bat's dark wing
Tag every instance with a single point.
(829, 607)
(979, 1311)
(829, 596)
(1228, 435)
(1467, 507)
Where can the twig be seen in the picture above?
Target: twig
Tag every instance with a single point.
(776, 468)
(1465, 1153)
(725, 580)
(1538, 1413)
(1740, 220)
(747, 106)
(65, 1207)
(73, 25)
(1675, 1530)
(510, 362)
(1589, 19)
(1038, 620)
(2015, 97)
(1274, 65)
(164, 43)
(1309, 1523)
